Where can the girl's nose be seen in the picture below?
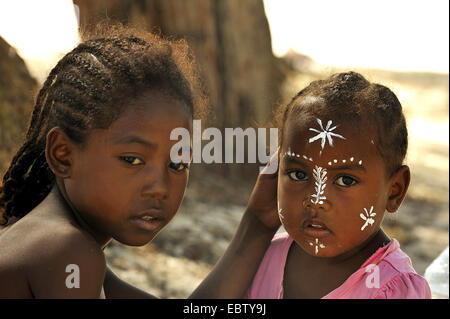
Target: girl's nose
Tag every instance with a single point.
(156, 186)
(313, 202)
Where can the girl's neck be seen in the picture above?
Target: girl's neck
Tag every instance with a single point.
(60, 192)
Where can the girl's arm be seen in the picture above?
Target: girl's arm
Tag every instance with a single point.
(114, 287)
(234, 272)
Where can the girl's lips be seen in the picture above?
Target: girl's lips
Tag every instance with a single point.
(147, 224)
(149, 220)
(315, 228)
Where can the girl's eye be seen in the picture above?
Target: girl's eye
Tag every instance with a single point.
(179, 167)
(297, 176)
(132, 160)
(345, 181)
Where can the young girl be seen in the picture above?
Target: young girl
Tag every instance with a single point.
(343, 142)
(95, 165)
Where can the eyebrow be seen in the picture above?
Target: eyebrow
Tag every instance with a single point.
(135, 139)
(349, 167)
(293, 160)
(329, 168)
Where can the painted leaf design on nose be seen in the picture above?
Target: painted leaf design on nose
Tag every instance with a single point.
(320, 176)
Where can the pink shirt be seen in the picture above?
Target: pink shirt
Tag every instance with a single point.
(389, 268)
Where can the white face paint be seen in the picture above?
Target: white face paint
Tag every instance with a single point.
(319, 174)
(335, 161)
(290, 153)
(368, 217)
(280, 215)
(326, 133)
(316, 245)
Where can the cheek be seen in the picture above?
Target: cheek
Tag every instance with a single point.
(289, 206)
(176, 192)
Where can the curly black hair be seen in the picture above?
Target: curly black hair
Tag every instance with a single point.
(88, 89)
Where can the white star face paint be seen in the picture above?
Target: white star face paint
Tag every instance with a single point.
(335, 161)
(320, 177)
(325, 134)
(368, 217)
(316, 245)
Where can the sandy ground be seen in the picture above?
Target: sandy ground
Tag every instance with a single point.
(183, 254)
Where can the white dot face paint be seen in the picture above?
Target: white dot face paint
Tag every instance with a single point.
(368, 217)
(325, 134)
(320, 176)
(335, 161)
(316, 245)
(288, 153)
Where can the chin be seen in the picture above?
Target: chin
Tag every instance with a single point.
(135, 240)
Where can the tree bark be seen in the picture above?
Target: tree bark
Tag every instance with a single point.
(230, 41)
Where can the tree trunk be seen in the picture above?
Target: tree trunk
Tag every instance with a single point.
(230, 41)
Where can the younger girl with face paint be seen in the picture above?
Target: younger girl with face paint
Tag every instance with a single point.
(96, 165)
(343, 142)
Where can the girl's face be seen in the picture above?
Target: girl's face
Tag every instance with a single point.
(332, 186)
(123, 182)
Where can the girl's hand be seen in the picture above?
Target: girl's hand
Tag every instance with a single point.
(263, 200)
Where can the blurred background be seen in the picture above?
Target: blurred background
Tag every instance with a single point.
(253, 55)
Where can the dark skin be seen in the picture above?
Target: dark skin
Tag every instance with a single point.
(334, 222)
(102, 191)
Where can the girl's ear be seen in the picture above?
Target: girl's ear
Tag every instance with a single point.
(58, 152)
(398, 186)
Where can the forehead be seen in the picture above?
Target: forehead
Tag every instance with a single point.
(151, 117)
(327, 139)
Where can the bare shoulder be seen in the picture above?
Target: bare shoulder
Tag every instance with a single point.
(68, 264)
(52, 258)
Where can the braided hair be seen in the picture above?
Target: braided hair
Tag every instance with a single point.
(350, 97)
(88, 89)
